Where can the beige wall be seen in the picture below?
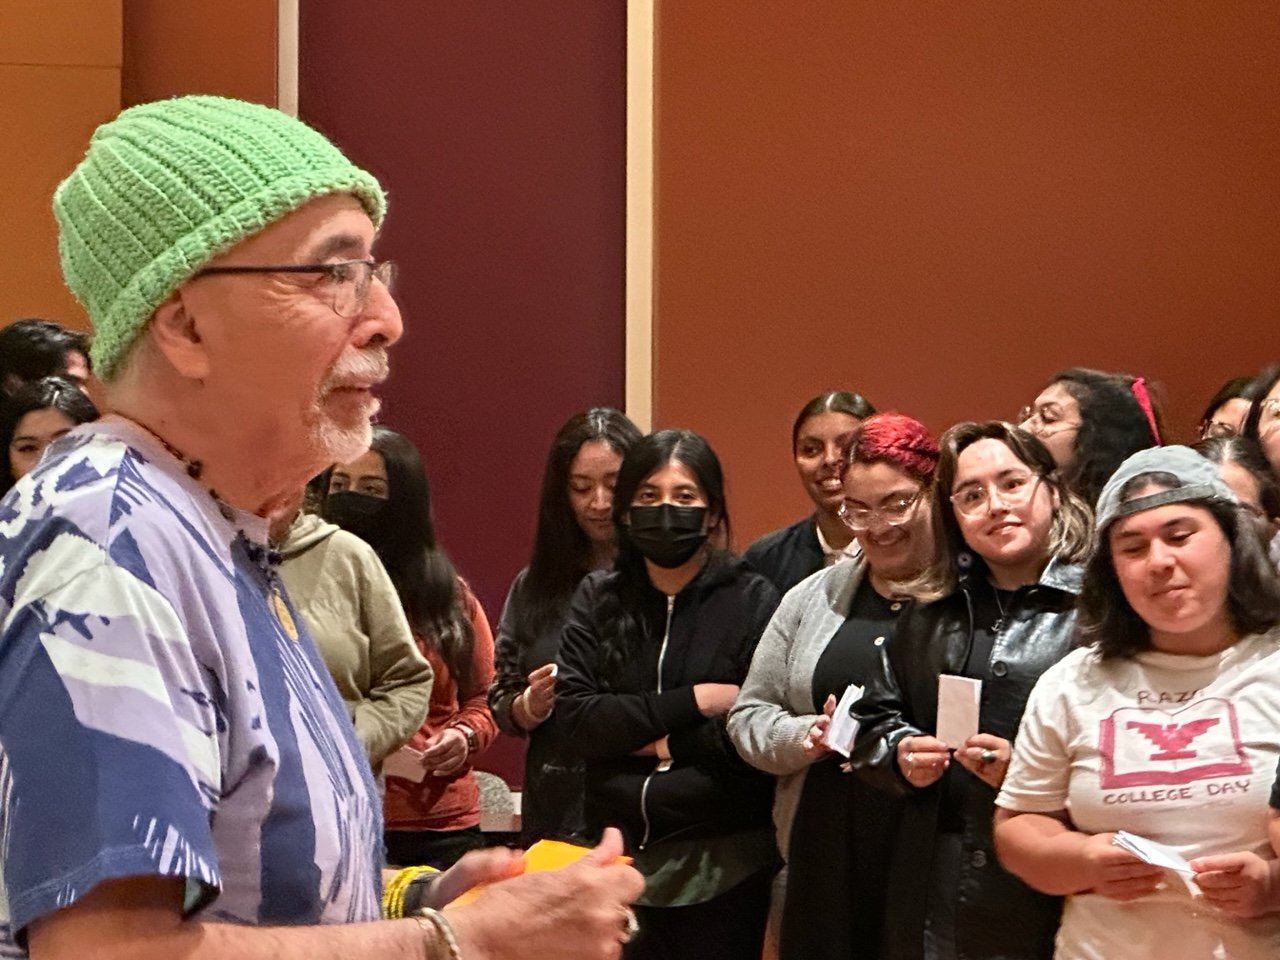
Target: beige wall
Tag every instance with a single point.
(60, 64)
(939, 204)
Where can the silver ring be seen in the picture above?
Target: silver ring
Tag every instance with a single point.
(911, 759)
(630, 925)
(987, 756)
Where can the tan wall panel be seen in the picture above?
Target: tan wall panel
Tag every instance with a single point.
(69, 32)
(940, 204)
(49, 114)
(226, 47)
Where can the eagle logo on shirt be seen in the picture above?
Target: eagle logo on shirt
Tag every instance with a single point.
(1149, 746)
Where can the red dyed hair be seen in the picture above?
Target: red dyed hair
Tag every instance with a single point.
(895, 439)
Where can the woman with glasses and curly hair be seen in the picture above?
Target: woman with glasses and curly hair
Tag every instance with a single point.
(1090, 421)
(833, 831)
(1164, 723)
(1002, 592)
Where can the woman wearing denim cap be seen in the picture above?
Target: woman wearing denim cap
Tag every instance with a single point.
(1165, 724)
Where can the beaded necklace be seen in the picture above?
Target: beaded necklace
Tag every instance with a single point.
(263, 557)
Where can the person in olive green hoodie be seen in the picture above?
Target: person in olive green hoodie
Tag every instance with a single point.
(344, 595)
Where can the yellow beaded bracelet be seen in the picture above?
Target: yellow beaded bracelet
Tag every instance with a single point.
(393, 894)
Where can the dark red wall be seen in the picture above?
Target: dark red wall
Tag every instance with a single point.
(499, 131)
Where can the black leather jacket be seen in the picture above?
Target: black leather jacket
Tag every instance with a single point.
(997, 916)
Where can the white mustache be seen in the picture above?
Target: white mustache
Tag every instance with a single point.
(365, 368)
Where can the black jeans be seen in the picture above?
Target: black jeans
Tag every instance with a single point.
(433, 848)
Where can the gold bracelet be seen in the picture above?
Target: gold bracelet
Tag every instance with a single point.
(439, 933)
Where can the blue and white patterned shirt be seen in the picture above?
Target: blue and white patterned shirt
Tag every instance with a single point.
(156, 719)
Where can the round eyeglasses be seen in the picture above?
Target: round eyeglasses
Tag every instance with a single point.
(1010, 490)
(344, 283)
(1032, 420)
(892, 513)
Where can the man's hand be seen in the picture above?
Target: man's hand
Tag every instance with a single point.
(1240, 884)
(472, 869)
(576, 913)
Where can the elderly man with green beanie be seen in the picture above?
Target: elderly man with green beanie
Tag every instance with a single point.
(180, 776)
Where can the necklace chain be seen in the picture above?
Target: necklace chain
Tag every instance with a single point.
(263, 557)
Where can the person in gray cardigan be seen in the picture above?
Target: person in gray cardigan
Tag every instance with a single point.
(833, 830)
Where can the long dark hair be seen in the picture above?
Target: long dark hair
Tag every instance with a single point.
(1246, 454)
(561, 551)
(1070, 536)
(424, 576)
(833, 401)
(50, 393)
(1113, 427)
(623, 630)
(1262, 384)
(1253, 593)
(1237, 388)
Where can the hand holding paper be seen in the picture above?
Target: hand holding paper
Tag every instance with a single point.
(958, 701)
(844, 728)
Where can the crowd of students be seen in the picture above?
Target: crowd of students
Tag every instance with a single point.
(1113, 602)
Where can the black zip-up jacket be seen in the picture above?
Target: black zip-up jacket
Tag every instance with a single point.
(998, 917)
(710, 631)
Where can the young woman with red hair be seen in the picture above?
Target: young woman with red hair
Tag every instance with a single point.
(828, 633)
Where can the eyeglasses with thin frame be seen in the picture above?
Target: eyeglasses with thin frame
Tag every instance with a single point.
(1217, 428)
(1013, 489)
(1268, 415)
(1032, 420)
(893, 513)
(344, 283)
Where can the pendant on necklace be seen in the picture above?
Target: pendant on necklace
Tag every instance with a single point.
(283, 616)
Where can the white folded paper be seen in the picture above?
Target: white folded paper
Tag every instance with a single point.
(405, 763)
(844, 728)
(1149, 851)
(958, 702)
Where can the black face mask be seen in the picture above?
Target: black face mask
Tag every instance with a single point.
(359, 513)
(666, 534)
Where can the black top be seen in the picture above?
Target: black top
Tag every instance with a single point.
(787, 556)
(988, 606)
(853, 653)
(707, 633)
(842, 835)
(553, 774)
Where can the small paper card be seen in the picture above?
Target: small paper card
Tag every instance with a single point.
(844, 728)
(958, 702)
(405, 763)
(1149, 851)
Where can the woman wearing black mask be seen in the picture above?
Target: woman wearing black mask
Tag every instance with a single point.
(651, 660)
(432, 816)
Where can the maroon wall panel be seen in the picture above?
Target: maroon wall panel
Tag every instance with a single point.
(499, 131)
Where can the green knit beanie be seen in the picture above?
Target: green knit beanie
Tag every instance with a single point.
(167, 186)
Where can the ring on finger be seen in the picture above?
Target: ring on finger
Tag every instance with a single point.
(911, 759)
(987, 756)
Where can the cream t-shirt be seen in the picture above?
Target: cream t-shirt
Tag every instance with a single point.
(1178, 749)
